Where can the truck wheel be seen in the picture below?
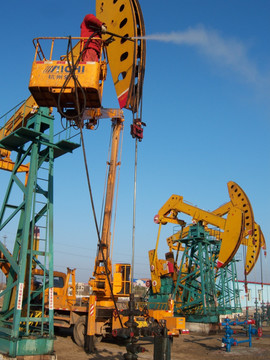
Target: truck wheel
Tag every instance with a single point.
(79, 331)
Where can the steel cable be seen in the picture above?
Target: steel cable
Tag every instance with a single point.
(72, 69)
(96, 225)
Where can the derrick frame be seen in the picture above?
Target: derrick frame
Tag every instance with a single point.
(195, 291)
(22, 332)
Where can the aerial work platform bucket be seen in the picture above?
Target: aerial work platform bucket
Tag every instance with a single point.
(52, 85)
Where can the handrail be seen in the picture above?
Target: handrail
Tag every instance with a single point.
(39, 52)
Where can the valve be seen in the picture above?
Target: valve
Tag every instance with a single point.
(132, 347)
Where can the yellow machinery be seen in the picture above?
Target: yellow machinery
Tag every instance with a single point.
(60, 79)
(251, 235)
(233, 225)
(126, 58)
(53, 82)
(19, 119)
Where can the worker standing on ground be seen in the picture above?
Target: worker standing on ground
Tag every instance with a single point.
(90, 25)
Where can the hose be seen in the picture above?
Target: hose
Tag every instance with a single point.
(72, 68)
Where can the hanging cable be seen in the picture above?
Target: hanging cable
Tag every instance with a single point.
(137, 134)
(245, 280)
(72, 69)
(134, 215)
(261, 274)
(96, 225)
(79, 122)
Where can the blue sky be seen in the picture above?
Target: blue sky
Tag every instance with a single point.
(206, 105)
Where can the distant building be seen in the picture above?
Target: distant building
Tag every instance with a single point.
(139, 282)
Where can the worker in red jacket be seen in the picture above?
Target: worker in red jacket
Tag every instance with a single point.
(89, 25)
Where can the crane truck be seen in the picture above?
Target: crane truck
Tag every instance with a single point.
(75, 88)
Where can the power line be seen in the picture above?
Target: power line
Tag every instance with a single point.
(77, 268)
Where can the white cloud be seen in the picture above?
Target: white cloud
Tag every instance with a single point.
(231, 53)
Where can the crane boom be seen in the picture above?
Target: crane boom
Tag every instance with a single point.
(20, 117)
(75, 88)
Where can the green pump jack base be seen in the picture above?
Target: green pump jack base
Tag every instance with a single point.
(29, 357)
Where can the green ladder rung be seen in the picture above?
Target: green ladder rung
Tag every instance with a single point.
(40, 253)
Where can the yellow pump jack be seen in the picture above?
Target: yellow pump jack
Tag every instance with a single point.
(238, 227)
(251, 234)
(233, 225)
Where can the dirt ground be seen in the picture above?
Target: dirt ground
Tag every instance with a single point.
(192, 346)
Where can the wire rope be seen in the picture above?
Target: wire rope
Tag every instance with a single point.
(138, 103)
(96, 224)
(79, 122)
(245, 280)
(134, 214)
(261, 275)
(72, 69)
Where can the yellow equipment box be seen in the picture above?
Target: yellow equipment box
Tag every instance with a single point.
(173, 323)
(48, 77)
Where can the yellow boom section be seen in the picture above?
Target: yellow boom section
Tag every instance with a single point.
(19, 119)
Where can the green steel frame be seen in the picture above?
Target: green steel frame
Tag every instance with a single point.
(228, 289)
(201, 292)
(195, 291)
(25, 329)
(26, 318)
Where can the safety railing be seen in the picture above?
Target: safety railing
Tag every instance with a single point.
(47, 51)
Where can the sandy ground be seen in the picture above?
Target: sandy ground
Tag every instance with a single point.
(192, 346)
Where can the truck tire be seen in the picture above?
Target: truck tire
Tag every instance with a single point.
(79, 331)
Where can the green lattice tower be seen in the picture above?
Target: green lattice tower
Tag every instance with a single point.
(228, 289)
(26, 321)
(203, 292)
(195, 290)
